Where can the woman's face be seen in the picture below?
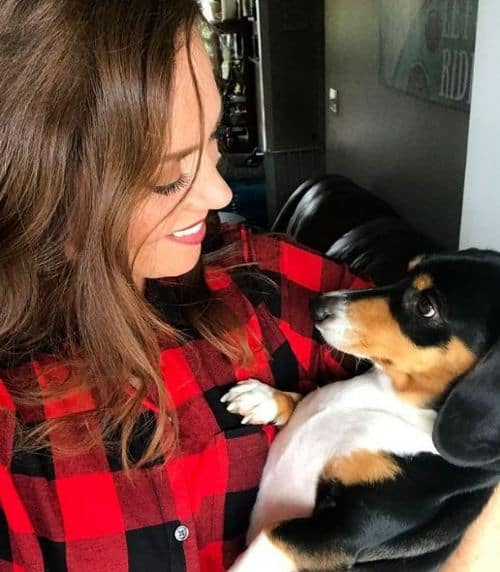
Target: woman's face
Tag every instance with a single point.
(174, 247)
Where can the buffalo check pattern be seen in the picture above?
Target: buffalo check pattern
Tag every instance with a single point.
(84, 513)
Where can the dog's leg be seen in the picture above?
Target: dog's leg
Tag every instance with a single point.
(259, 403)
(295, 545)
(358, 528)
(262, 555)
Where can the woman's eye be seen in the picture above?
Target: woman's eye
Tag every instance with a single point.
(426, 306)
(181, 183)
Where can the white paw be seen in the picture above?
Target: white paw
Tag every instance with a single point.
(263, 555)
(254, 401)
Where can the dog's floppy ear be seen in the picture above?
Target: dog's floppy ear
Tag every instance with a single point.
(467, 428)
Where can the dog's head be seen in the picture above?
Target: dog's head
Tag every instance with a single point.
(437, 334)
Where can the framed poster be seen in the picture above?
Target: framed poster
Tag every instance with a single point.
(427, 48)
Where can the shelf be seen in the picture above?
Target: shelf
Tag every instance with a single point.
(231, 26)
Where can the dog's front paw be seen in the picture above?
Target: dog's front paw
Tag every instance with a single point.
(254, 401)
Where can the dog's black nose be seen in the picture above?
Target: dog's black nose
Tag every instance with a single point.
(322, 307)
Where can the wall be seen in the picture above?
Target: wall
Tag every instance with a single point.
(407, 150)
(481, 207)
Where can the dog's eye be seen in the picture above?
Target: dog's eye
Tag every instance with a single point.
(426, 306)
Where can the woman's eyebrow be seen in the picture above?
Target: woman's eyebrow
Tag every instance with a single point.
(179, 155)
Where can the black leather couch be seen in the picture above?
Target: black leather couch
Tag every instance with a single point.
(336, 216)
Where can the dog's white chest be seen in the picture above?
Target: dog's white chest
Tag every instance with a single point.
(361, 413)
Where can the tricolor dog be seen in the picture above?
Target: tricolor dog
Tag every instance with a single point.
(385, 472)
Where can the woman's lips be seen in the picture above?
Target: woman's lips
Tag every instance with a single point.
(191, 235)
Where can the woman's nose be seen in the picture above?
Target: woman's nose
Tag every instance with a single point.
(222, 193)
(215, 193)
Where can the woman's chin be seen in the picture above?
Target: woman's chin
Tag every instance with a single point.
(175, 261)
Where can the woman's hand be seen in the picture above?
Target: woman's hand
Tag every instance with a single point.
(479, 550)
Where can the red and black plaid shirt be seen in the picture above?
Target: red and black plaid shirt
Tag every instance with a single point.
(83, 513)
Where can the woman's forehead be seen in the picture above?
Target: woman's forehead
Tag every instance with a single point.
(185, 116)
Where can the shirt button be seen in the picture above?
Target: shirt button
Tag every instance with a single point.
(181, 533)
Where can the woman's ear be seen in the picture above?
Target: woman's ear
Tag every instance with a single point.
(467, 428)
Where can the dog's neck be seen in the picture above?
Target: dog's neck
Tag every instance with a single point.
(420, 388)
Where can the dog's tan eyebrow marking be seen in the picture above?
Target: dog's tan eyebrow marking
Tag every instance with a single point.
(415, 262)
(422, 282)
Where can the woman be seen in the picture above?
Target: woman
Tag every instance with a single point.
(115, 451)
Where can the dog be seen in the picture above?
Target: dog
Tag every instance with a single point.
(385, 471)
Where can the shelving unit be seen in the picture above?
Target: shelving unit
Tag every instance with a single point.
(279, 53)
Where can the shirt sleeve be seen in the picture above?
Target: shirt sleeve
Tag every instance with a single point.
(301, 274)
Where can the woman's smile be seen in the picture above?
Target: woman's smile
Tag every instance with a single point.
(193, 234)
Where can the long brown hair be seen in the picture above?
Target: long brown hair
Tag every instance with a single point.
(85, 89)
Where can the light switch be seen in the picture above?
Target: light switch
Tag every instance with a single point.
(333, 100)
